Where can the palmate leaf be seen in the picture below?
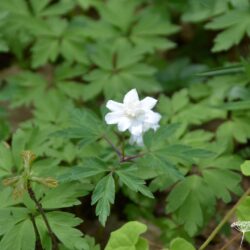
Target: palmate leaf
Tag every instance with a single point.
(62, 224)
(225, 166)
(191, 208)
(128, 237)
(25, 83)
(131, 25)
(57, 36)
(103, 196)
(237, 128)
(119, 70)
(190, 200)
(180, 109)
(236, 24)
(86, 126)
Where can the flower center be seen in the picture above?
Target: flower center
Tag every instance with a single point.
(133, 110)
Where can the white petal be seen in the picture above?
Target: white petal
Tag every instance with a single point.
(112, 118)
(152, 117)
(123, 124)
(136, 139)
(114, 106)
(136, 128)
(148, 103)
(131, 97)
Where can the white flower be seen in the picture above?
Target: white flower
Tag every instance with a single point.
(133, 115)
(242, 226)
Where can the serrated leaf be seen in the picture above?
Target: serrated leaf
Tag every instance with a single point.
(65, 195)
(163, 133)
(86, 126)
(190, 208)
(90, 167)
(128, 177)
(62, 225)
(236, 25)
(20, 237)
(103, 196)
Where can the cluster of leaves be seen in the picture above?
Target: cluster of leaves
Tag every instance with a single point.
(64, 60)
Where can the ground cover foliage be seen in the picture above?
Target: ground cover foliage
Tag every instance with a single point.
(70, 181)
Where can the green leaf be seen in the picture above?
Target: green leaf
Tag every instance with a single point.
(236, 128)
(128, 237)
(86, 126)
(128, 177)
(240, 105)
(62, 225)
(90, 167)
(6, 160)
(11, 216)
(103, 196)
(120, 68)
(163, 133)
(20, 237)
(65, 195)
(180, 244)
(236, 24)
(245, 168)
(203, 9)
(189, 199)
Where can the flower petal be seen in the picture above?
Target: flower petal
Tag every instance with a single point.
(136, 128)
(148, 103)
(114, 106)
(123, 124)
(131, 97)
(138, 139)
(152, 117)
(112, 118)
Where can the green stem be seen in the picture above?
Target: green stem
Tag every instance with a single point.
(225, 219)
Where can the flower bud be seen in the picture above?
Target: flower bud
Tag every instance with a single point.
(10, 181)
(28, 158)
(48, 181)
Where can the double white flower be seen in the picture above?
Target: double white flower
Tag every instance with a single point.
(133, 115)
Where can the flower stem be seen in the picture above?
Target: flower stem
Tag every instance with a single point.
(41, 211)
(129, 158)
(38, 239)
(121, 154)
(225, 219)
(118, 152)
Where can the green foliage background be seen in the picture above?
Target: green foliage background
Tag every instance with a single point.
(62, 60)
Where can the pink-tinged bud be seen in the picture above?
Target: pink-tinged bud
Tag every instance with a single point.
(19, 189)
(50, 182)
(10, 181)
(28, 158)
